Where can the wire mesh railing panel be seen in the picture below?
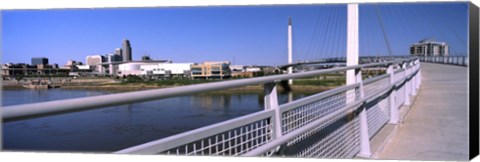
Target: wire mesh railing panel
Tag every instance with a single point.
(378, 115)
(400, 96)
(398, 76)
(232, 142)
(298, 117)
(376, 86)
(336, 138)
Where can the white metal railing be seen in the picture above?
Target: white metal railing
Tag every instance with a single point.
(327, 124)
(453, 60)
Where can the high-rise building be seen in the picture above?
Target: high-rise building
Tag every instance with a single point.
(110, 58)
(429, 48)
(118, 51)
(113, 57)
(39, 61)
(127, 51)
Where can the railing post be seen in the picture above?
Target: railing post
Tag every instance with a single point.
(271, 102)
(391, 97)
(417, 77)
(364, 136)
(405, 85)
(413, 85)
(407, 82)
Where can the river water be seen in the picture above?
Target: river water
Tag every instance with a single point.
(118, 127)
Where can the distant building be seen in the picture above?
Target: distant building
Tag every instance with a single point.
(73, 62)
(126, 51)
(146, 58)
(131, 68)
(118, 51)
(95, 61)
(71, 65)
(21, 69)
(83, 70)
(110, 68)
(85, 67)
(134, 68)
(429, 48)
(237, 68)
(39, 61)
(166, 69)
(113, 57)
(43, 69)
(211, 70)
(253, 69)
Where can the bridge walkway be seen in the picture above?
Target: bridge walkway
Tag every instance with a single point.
(436, 126)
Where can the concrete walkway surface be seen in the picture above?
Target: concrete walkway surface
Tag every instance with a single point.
(436, 127)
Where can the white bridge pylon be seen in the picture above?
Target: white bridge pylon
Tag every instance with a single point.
(355, 75)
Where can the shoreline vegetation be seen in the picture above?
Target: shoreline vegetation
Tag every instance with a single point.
(309, 85)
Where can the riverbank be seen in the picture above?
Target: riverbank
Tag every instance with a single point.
(313, 85)
(141, 86)
(121, 87)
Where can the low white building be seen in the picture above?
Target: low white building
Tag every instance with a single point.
(85, 67)
(153, 68)
(237, 68)
(166, 68)
(131, 68)
(253, 69)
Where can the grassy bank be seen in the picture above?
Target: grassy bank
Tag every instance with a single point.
(310, 86)
(300, 85)
(253, 88)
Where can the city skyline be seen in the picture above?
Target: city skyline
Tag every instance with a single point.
(243, 34)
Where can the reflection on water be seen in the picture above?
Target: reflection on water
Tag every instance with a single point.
(118, 127)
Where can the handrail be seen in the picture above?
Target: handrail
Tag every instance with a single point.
(153, 147)
(291, 135)
(376, 78)
(290, 105)
(25, 111)
(183, 139)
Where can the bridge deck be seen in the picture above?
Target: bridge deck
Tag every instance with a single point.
(436, 125)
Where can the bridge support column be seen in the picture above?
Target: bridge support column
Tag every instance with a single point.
(271, 102)
(391, 97)
(406, 85)
(355, 76)
(290, 59)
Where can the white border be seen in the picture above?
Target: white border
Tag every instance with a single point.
(50, 4)
(82, 157)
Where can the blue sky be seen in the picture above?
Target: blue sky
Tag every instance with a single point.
(244, 34)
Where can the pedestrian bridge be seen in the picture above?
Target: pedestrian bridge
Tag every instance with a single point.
(412, 111)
